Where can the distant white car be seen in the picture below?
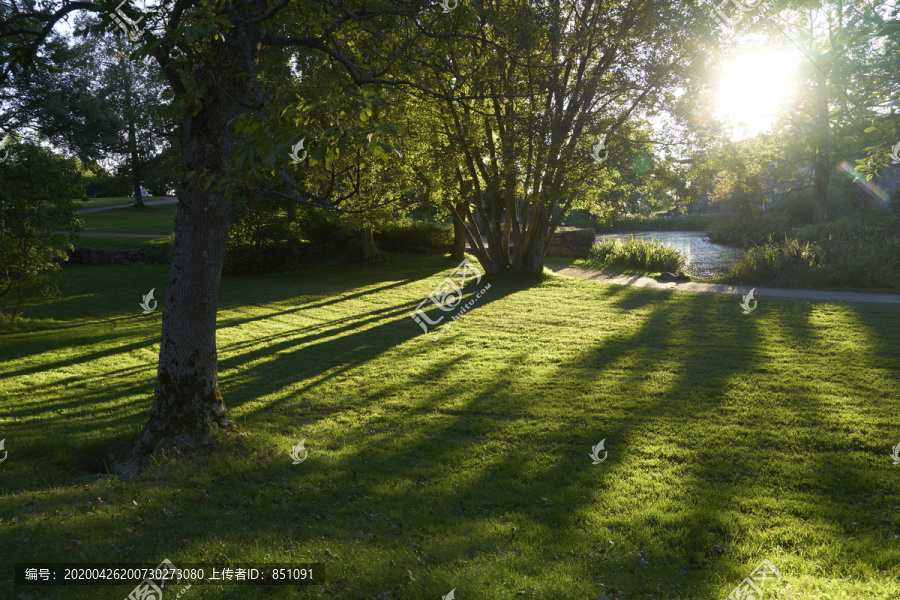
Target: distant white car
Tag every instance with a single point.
(144, 193)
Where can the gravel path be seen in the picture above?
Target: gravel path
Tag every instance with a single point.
(717, 288)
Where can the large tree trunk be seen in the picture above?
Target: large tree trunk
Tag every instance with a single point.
(187, 400)
(369, 249)
(535, 243)
(292, 212)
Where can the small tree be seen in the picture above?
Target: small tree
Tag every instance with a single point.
(37, 192)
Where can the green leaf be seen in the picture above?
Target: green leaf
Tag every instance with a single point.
(870, 129)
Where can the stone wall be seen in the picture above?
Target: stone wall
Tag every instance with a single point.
(572, 242)
(86, 256)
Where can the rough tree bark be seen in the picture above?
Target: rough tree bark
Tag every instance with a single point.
(370, 251)
(187, 399)
(292, 212)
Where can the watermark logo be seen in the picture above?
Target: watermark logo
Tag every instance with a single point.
(748, 298)
(895, 154)
(895, 455)
(146, 303)
(597, 148)
(595, 452)
(751, 587)
(148, 588)
(127, 25)
(447, 8)
(5, 452)
(722, 19)
(451, 595)
(295, 453)
(297, 148)
(448, 294)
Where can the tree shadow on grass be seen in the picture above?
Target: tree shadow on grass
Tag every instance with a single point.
(450, 489)
(484, 404)
(332, 348)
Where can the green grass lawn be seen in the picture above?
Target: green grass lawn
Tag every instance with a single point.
(151, 245)
(462, 462)
(149, 219)
(117, 200)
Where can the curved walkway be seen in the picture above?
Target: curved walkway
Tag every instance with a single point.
(719, 288)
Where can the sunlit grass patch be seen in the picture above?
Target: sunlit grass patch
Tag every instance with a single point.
(463, 462)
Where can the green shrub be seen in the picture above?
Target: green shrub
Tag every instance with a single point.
(580, 218)
(106, 186)
(411, 236)
(746, 231)
(261, 248)
(827, 255)
(324, 231)
(637, 253)
(798, 207)
(261, 240)
(36, 201)
(674, 223)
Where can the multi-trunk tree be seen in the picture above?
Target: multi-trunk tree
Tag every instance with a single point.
(525, 92)
(565, 85)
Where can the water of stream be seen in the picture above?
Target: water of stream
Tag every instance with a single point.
(705, 259)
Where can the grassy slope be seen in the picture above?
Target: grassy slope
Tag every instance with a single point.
(98, 202)
(463, 462)
(149, 219)
(151, 245)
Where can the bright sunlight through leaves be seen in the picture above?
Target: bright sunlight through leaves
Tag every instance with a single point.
(754, 88)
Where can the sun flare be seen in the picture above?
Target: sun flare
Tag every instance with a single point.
(754, 87)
